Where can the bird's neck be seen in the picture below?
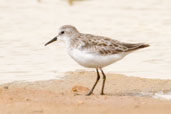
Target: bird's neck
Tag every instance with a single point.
(71, 42)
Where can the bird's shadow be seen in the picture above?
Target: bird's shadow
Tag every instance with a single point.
(133, 94)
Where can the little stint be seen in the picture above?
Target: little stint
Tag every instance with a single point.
(94, 51)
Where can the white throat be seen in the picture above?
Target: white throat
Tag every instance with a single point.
(67, 41)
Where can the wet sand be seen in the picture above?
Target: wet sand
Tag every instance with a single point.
(61, 96)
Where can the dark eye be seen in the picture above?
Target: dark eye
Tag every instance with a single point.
(62, 32)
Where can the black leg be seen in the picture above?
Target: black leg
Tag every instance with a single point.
(98, 77)
(104, 79)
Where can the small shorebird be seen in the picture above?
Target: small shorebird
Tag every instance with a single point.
(94, 51)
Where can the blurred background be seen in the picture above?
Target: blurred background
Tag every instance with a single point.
(26, 25)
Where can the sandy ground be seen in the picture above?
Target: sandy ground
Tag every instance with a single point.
(27, 25)
(61, 96)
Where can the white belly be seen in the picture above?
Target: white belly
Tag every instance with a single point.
(92, 60)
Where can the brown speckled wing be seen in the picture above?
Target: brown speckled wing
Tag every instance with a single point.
(101, 45)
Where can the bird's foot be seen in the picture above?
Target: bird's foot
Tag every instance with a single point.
(102, 93)
(88, 94)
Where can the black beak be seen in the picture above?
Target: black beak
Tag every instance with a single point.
(54, 39)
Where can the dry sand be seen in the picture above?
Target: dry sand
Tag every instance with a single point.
(27, 25)
(61, 96)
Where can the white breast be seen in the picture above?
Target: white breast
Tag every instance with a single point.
(93, 60)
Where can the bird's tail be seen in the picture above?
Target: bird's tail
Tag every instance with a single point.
(143, 45)
(132, 47)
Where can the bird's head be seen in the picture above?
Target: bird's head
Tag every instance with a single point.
(65, 32)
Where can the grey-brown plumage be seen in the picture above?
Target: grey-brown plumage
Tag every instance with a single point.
(94, 51)
(103, 45)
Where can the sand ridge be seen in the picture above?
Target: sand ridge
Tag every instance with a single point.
(56, 96)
